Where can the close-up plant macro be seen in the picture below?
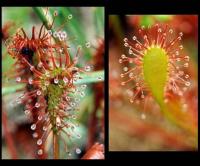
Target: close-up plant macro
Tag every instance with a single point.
(154, 106)
(52, 83)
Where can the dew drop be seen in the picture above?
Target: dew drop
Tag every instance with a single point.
(131, 75)
(159, 30)
(33, 126)
(37, 105)
(87, 68)
(44, 128)
(178, 59)
(130, 51)
(40, 152)
(126, 44)
(30, 81)
(32, 68)
(55, 80)
(142, 96)
(82, 94)
(18, 79)
(187, 58)
(78, 150)
(27, 112)
(186, 76)
(171, 31)
(99, 78)
(88, 44)
(83, 86)
(187, 83)
(123, 56)
(38, 92)
(181, 34)
(40, 117)
(125, 68)
(181, 47)
(70, 16)
(39, 142)
(125, 39)
(134, 38)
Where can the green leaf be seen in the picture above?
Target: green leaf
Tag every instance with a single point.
(155, 71)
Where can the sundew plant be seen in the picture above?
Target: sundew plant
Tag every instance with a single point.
(158, 77)
(53, 73)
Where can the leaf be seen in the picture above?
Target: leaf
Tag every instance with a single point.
(155, 72)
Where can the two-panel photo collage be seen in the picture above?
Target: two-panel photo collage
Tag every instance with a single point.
(82, 83)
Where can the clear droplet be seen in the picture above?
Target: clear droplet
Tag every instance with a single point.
(18, 79)
(39, 142)
(131, 75)
(181, 47)
(134, 38)
(125, 69)
(83, 86)
(187, 83)
(125, 39)
(82, 94)
(38, 92)
(32, 68)
(44, 128)
(33, 126)
(37, 105)
(187, 58)
(30, 81)
(78, 150)
(88, 44)
(126, 44)
(70, 16)
(99, 78)
(40, 117)
(87, 68)
(56, 80)
(27, 112)
(186, 76)
(171, 31)
(123, 56)
(40, 152)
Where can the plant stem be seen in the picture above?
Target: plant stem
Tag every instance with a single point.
(55, 146)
